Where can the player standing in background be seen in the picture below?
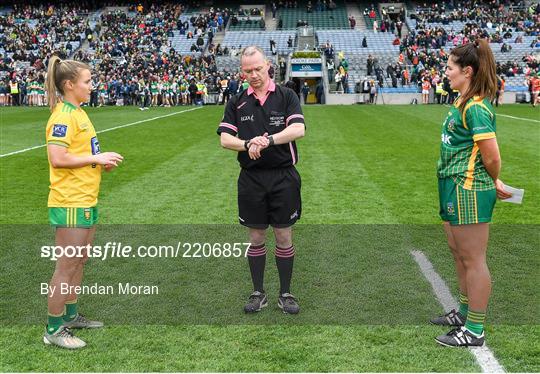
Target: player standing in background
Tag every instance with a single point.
(224, 83)
(261, 124)
(75, 165)
(154, 90)
(102, 91)
(535, 84)
(41, 90)
(173, 92)
(426, 86)
(166, 93)
(501, 86)
(31, 90)
(184, 93)
(142, 91)
(468, 172)
(3, 93)
(36, 91)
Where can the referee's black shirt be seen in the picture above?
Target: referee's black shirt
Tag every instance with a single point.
(248, 116)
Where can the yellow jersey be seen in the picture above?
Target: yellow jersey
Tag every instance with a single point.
(70, 127)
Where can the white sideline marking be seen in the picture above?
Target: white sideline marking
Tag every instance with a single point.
(483, 355)
(520, 118)
(105, 130)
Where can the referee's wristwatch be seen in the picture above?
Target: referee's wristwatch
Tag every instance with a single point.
(246, 144)
(270, 140)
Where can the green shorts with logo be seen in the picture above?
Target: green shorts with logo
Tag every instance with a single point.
(464, 207)
(73, 217)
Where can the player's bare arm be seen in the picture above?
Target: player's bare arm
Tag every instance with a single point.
(492, 161)
(61, 158)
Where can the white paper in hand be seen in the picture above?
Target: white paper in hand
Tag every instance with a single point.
(517, 195)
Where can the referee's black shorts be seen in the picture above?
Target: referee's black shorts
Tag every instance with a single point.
(269, 197)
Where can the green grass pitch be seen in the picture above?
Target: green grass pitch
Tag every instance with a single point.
(369, 197)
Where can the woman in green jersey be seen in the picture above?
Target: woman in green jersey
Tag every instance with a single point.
(468, 172)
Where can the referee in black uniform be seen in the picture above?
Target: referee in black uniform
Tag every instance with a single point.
(262, 124)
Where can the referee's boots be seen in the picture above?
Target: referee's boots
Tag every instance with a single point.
(288, 304)
(257, 300)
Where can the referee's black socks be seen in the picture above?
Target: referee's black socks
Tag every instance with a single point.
(284, 263)
(257, 261)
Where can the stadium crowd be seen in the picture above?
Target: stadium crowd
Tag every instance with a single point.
(26, 47)
(498, 16)
(131, 55)
(134, 60)
(425, 49)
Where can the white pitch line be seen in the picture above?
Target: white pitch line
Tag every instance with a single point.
(22, 150)
(484, 356)
(105, 130)
(147, 120)
(520, 118)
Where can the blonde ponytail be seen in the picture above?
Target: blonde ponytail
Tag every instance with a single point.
(50, 85)
(58, 72)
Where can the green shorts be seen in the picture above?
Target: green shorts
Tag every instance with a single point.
(73, 217)
(464, 207)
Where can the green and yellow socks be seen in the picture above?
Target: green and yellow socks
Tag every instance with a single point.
(55, 321)
(475, 322)
(70, 310)
(463, 305)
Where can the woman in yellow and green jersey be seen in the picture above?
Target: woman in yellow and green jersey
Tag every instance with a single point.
(75, 165)
(468, 173)
(31, 90)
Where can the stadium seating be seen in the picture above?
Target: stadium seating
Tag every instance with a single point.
(454, 26)
(369, 22)
(351, 41)
(6, 10)
(252, 25)
(182, 44)
(228, 63)
(259, 38)
(328, 19)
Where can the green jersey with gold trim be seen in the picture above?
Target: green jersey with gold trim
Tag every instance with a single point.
(166, 87)
(460, 158)
(40, 88)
